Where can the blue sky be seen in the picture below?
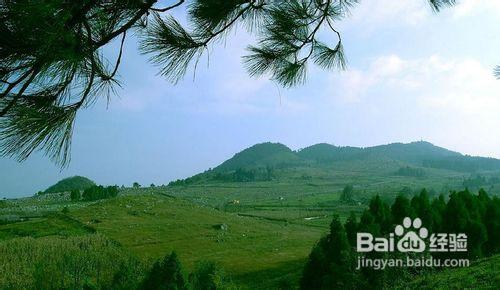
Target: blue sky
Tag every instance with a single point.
(412, 75)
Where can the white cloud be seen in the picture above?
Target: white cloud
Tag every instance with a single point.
(390, 70)
(375, 14)
(458, 100)
(397, 12)
(474, 7)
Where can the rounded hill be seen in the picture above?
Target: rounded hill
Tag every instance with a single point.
(260, 155)
(70, 183)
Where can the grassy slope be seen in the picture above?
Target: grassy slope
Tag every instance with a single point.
(315, 176)
(255, 252)
(258, 253)
(51, 225)
(301, 192)
(482, 274)
(269, 243)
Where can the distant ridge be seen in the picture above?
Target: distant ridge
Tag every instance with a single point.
(419, 154)
(324, 152)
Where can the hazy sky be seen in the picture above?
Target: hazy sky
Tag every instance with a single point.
(412, 75)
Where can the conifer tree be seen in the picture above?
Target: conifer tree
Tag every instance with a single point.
(347, 195)
(422, 208)
(381, 214)
(351, 228)
(165, 275)
(400, 209)
(492, 224)
(330, 264)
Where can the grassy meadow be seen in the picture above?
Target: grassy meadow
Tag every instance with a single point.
(259, 231)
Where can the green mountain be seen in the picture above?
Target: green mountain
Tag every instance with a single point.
(261, 155)
(70, 183)
(414, 152)
(419, 154)
(327, 169)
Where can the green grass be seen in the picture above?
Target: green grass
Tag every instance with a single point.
(482, 274)
(64, 263)
(257, 253)
(266, 243)
(272, 225)
(51, 225)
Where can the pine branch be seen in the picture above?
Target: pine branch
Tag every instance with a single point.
(437, 5)
(28, 127)
(496, 72)
(168, 7)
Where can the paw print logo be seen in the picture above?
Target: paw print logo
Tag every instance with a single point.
(410, 240)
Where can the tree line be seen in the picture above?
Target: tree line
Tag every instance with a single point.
(332, 261)
(95, 192)
(478, 180)
(241, 174)
(410, 172)
(167, 273)
(463, 163)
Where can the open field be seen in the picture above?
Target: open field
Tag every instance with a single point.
(254, 251)
(259, 245)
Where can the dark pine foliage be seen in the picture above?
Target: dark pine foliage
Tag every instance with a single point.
(207, 275)
(99, 192)
(411, 172)
(347, 195)
(165, 275)
(330, 264)
(333, 258)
